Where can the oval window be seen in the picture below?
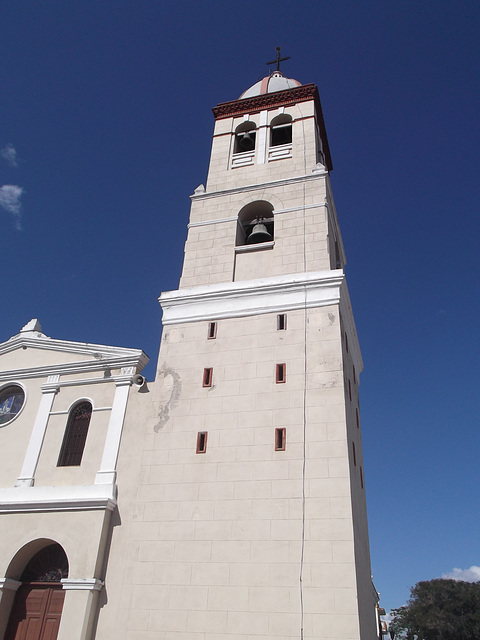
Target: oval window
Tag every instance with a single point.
(11, 403)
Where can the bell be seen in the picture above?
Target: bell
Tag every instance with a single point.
(259, 234)
(246, 142)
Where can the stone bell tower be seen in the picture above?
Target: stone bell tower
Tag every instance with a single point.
(253, 492)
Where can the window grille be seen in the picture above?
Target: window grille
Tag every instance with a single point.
(75, 435)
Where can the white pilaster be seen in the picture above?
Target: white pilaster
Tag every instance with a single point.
(262, 137)
(27, 474)
(107, 472)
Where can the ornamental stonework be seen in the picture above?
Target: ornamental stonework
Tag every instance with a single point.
(266, 101)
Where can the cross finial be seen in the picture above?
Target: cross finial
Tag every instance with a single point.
(278, 59)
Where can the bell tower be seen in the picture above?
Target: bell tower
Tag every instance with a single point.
(258, 503)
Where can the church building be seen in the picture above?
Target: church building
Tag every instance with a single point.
(225, 499)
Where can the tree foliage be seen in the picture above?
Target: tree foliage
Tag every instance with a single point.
(439, 610)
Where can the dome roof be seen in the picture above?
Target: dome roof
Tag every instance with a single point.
(274, 82)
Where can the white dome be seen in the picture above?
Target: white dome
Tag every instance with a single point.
(274, 82)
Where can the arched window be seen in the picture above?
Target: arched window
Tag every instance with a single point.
(245, 135)
(50, 564)
(37, 609)
(255, 223)
(281, 130)
(75, 435)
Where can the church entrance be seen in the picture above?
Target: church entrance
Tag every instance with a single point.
(37, 609)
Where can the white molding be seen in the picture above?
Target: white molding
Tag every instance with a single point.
(75, 368)
(83, 584)
(275, 213)
(278, 294)
(207, 222)
(8, 584)
(258, 186)
(252, 297)
(86, 348)
(245, 248)
(101, 356)
(65, 412)
(68, 498)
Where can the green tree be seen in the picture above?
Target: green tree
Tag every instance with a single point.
(439, 610)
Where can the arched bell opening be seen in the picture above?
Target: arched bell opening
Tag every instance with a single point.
(245, 136)
(255, 224)
(281, 130)
(37, 607)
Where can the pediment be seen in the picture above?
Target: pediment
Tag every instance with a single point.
(31, 353)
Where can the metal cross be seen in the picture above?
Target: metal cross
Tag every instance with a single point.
(278, 59)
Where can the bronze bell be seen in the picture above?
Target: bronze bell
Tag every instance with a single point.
(259, 234)
(246, 142)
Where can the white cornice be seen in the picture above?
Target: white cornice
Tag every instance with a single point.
(69, 498)
(267, 295)
(82, 584)
(259, 185)
(41, 341)
(124, 358)
(252, 297)
(76, 368)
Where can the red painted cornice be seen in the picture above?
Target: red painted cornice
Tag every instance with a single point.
(265, 101)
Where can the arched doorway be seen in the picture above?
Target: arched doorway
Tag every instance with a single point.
(38, 604)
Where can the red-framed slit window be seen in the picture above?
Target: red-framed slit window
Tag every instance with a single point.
(207, 377)
(202, 441)
(212, 331)
(281, 322)
(281, 373)
(280, 439)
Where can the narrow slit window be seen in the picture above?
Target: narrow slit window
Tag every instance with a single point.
(361, 477)
(349, 390)
(280, 439)
(281, 373)
(212, 330)
(207, 377)
(354, 455)
(354, 375)
(281, 322)
(346, 341)
(202, 441)
(358, 419)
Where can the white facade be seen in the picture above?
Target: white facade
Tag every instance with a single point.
(240, 510)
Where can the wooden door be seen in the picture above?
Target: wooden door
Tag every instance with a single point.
(36, 612)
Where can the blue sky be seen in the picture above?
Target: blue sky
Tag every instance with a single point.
(105, 130)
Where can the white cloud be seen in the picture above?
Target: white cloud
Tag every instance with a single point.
(10, 195)
(467, 575)
(9, 154)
